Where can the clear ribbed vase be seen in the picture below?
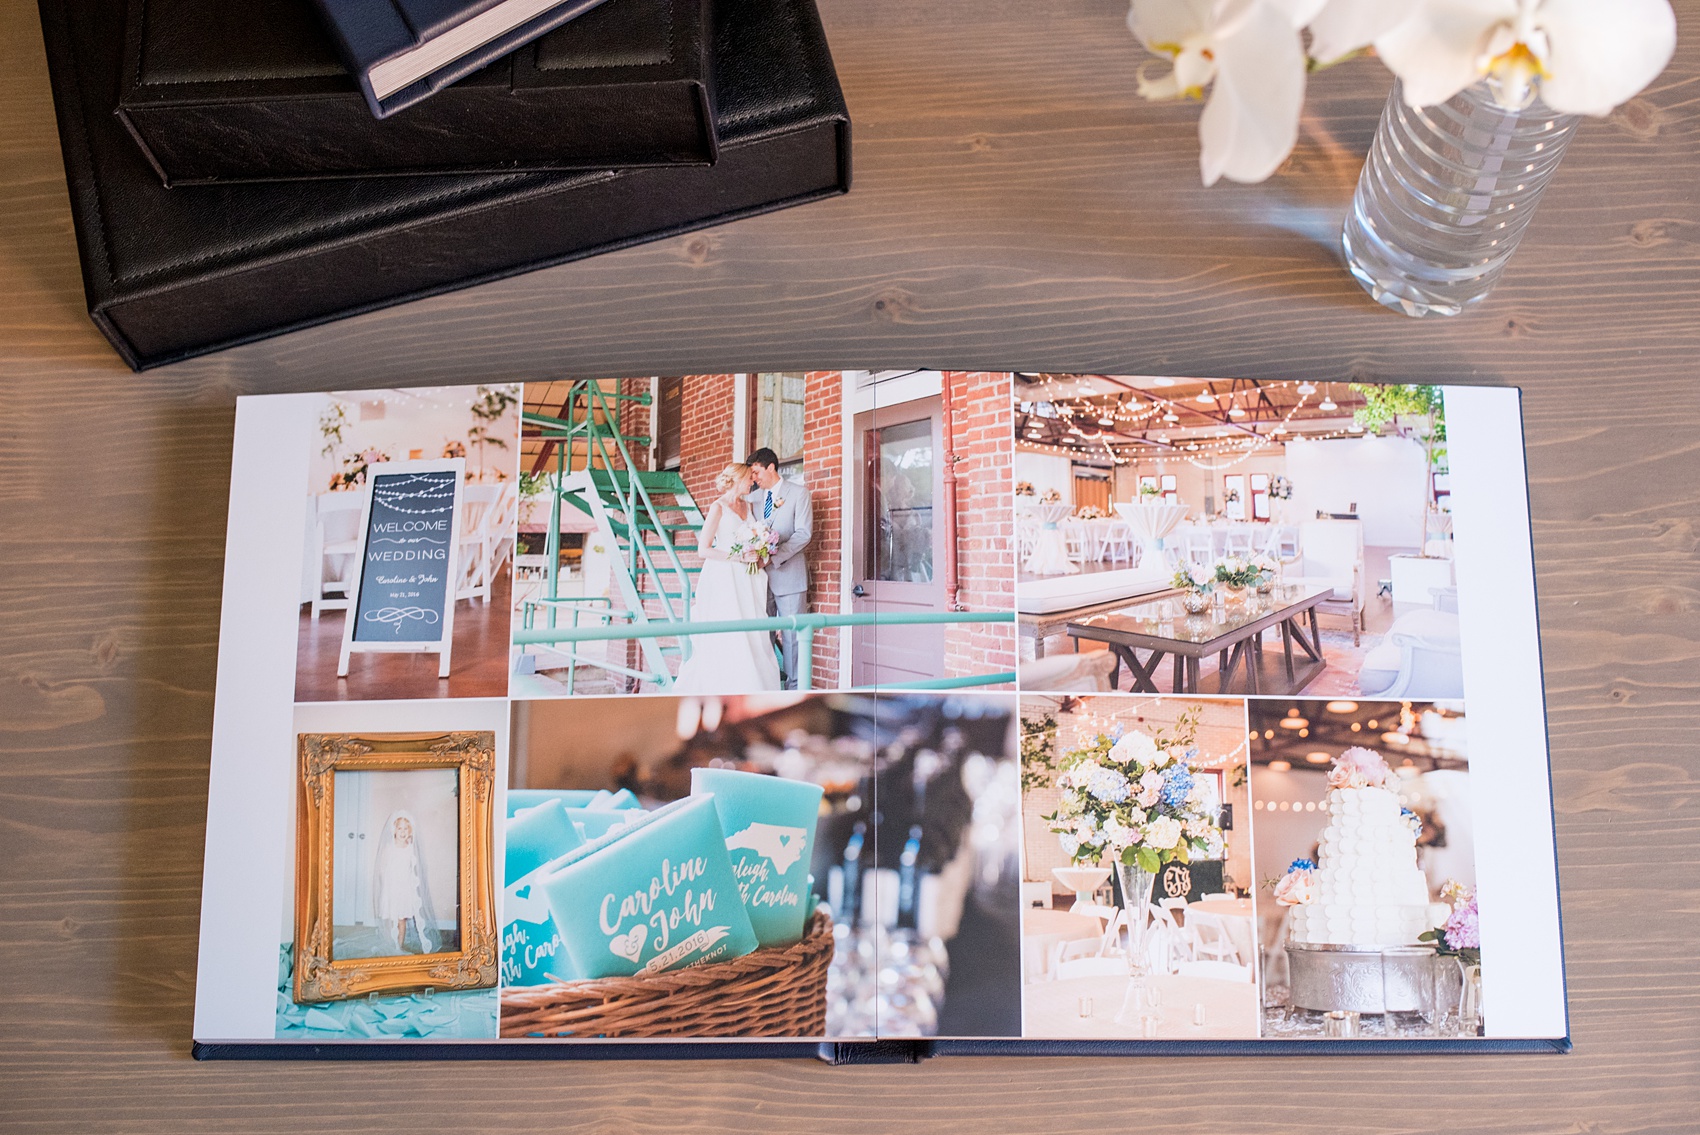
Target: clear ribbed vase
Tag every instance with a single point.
(1445, 196)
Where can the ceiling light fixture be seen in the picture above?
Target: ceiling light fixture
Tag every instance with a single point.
(1280, 766)
(1306, 388)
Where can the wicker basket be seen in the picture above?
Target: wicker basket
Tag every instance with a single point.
(778, 991)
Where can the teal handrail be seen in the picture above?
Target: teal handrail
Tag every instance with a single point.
(804, 625)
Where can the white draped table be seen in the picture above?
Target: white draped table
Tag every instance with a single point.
(1052, 1008)
(1050, 551)
(1151, 522)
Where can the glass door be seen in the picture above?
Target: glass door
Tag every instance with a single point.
(898, 552)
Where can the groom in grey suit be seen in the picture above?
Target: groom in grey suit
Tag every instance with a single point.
(787, 509)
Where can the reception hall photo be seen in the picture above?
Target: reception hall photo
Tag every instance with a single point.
(1137, 917)
(836, 530)
(1366, 865)
(1234, 536)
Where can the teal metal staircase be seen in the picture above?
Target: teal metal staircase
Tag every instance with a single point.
(649, 517)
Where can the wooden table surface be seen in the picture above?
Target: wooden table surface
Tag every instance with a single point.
(1015, 207)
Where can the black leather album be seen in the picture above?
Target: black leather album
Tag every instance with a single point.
(402, 52)
(256, 91)
(170, 273)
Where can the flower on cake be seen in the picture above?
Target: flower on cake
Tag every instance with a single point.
(1298, 886)
(1412, 821)
(1359, 767)
(1132, 798)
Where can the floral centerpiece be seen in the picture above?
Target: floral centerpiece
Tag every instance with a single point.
(1051, 497)
(1025, 489)
(1236, 573)
(1089, 512)
(1281, 488)
(1131, 797)
(353, 471)
(753, 546)
(1193, 582)
(1148, 493)
(1461, 936)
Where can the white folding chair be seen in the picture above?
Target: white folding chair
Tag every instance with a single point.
(1211, 940)
(336, 547)
(1238, 541)
(1119, 544)
(1079, 540)
(1198, 546)
(1182, 941)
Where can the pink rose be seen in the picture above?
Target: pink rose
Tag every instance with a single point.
(1296, 888)
(1358, 767)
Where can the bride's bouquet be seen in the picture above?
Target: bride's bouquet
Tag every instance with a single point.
(753, 546)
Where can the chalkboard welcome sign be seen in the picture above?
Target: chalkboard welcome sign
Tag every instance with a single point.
(404, 588)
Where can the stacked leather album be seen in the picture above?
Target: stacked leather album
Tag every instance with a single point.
(238, 171)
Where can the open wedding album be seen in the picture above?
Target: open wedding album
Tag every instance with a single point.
(873, 715)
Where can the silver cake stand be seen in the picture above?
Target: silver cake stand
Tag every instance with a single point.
(1355, 979)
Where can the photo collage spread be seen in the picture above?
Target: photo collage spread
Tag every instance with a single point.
(839, 705)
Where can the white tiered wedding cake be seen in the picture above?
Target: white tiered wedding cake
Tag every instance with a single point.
(1366, 888)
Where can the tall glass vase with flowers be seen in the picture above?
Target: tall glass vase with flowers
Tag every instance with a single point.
(1130, 798)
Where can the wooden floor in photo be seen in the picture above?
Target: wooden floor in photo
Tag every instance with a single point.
(478, 664)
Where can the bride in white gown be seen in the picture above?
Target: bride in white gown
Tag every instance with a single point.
(730, 663)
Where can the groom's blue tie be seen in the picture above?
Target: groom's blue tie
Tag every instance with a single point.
(767, 506)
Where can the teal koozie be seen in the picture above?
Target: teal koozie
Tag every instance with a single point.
(531, 945)
(534, 837)
(770, 834)
(606, 801)
(654, 896)
(521, 798)
(598, 824)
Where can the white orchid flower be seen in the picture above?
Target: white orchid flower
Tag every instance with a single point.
(1345, 26)
(1249, 54)
(1585, 56)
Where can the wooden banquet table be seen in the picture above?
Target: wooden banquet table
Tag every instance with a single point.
(1016, 205)
(1163, 629)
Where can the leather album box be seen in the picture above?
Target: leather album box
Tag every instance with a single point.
(214, 91)
(172, 273)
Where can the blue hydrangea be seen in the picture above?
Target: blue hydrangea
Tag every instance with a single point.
(1108, 785)
(1177, 785)
(1301, 864)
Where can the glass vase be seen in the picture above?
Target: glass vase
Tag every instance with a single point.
(1445, 195)
(1136, 899)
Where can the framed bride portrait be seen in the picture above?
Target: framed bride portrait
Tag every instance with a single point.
(393, 873)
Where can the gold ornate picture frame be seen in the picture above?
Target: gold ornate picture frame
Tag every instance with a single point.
(319, 975)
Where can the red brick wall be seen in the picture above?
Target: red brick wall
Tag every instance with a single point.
(984, 447)
(823, 471)
(705, 443)
(635, 419)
